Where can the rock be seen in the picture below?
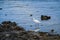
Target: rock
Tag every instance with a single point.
(19, 28)
(6, 22)
(43, 17)
(14, 24)
(31, 15)
(11, 31)
(8, 26)
(31, 26)
(0, 8)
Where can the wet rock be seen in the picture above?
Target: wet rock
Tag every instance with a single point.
(31, 26)
(0, 8)
(6, 22)
(11, 31)
(31, 15)
(8, 26)
(18, 28)
(43, 17)
(52, 30)
(14, 24)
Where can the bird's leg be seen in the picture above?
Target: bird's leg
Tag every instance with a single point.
(37, 26)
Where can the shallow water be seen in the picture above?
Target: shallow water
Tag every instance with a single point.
(19, 11)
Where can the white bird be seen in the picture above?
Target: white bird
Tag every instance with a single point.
(36, 21)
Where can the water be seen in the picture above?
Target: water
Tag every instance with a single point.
(19, 11)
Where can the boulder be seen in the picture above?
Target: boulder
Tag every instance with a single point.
(43, 17)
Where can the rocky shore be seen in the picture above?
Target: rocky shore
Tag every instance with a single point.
(11, 31)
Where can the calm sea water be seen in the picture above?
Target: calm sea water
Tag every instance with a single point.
(19, 11)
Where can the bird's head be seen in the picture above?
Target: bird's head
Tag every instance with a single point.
(33, 18)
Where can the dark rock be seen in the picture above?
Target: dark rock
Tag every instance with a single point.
(0, 8)
(10, 31)
(18, 28)
(52, 30)
(6, 22)
(31, 26)
(43, 17)
(31, 15)
(14, 24)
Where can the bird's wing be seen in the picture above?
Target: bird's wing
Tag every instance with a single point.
(37, 21)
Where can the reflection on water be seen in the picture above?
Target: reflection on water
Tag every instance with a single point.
(20, 11)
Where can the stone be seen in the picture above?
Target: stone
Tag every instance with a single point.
(0, 8)
(31, 15)
(43, 17)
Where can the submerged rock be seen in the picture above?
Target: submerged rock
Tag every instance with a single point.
(43, 17)
(31, 15)
(0, 8)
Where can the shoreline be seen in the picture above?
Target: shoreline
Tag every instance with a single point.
(10, 30)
